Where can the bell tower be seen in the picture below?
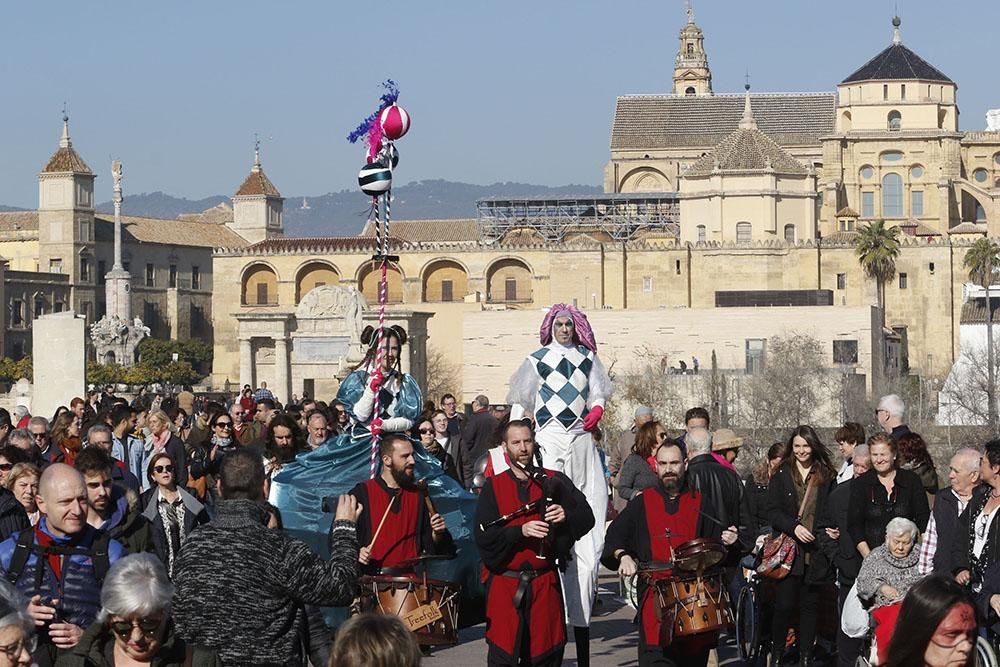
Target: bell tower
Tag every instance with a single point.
(66, 222)
(692, 75)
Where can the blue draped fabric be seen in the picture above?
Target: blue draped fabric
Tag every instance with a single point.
(343, 461)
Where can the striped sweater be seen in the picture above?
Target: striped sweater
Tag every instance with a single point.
(240, 587)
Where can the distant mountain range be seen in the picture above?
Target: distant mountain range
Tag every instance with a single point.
(344, 213)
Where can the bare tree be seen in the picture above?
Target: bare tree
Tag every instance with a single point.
(647, 383)
(443, 375)
(966, 392)
(789, 389)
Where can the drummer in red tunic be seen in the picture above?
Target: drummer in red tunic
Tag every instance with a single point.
(527, 520)
(653, 524)
(394, 501)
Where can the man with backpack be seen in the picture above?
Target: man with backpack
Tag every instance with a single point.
(60, 564)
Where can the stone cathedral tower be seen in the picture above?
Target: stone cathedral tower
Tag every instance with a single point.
(692, 75)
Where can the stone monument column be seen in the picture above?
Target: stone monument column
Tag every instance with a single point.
(118, 282)
(246, 362)
(282, 370)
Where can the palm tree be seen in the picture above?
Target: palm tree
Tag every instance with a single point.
(983, 262)
(877, 248)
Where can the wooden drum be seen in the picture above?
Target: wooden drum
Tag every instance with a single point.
(694, 604)
(428, 607)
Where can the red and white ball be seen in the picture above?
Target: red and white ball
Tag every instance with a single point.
(395, 121)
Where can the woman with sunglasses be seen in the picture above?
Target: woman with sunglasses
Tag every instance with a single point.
(171, 511)
(425, 432)
(638, 470)
(134, 626)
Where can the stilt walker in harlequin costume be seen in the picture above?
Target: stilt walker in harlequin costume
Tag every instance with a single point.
(564, 387)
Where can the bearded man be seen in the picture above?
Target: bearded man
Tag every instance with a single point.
(651, 526)
(409, 530)
(564, 387)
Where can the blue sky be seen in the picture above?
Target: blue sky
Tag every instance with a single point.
(519, 90)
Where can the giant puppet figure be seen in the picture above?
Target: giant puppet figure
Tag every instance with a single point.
(564, 387)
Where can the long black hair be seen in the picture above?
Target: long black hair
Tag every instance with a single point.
(369, 338)
(926, 604)
(823, 467)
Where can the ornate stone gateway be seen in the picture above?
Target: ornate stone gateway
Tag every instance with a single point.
(311, 349)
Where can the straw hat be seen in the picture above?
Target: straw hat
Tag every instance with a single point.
(724, 439)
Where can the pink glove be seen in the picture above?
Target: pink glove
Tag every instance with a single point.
(594, 416)
(376, 427)
(376, 379)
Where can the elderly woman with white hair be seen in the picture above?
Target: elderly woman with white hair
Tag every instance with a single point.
(889, 570)
(134, 626)
(886, 575)
(17, 639)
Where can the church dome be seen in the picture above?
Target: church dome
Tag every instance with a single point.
(897, 62)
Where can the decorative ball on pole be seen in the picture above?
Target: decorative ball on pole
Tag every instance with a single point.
(395, 121)
(375, 178)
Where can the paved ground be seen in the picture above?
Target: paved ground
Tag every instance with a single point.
(613, 638)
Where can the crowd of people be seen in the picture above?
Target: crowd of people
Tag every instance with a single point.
(155, 530)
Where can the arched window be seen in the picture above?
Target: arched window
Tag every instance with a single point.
(445, 281)
(690, 49)
(690, 91)
(313, 275)
(789, 233)
(508, 281)
(702, 233)
(895, 121)
(744, 232)
(370, 279)
(892, 196)
(260, 287)
(980, 213)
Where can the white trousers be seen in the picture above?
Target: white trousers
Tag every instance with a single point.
(575, 455)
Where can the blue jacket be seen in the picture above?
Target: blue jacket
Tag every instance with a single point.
(78, 592)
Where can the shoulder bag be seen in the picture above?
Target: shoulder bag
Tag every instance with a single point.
(779, 551)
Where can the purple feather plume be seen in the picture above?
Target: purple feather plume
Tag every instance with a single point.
(388, 98)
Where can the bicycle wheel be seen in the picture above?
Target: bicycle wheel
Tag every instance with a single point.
(747, 628)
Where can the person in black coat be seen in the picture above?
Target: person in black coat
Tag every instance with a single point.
(164, 503)
(13, 518)
(755, 512)
(478, 435)
(805, 472)
(882, 494)
(833, 539)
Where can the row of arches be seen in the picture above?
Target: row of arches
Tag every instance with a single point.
(508, 280)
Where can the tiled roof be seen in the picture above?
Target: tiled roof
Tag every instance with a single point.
(847, 212)
(167, 232)
(65, 159)
(18, 221)
(672, 121)
(745, 150)
(897, 62)
(257, 183)
(140, 230)
(968, 228)
(423, 231)
(974, 312)
(846, 238)
(914, 227)
(319, 244)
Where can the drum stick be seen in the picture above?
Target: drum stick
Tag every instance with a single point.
(382, 522)
(431, 511)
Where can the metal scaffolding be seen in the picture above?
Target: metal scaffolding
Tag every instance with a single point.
(621, 216)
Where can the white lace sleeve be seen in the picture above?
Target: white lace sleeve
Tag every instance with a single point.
(600, 384)
(524, 384)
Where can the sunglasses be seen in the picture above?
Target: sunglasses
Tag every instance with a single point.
(223, 424)
(423, 430)
(147, 626)
(163, 468)
(6, 467)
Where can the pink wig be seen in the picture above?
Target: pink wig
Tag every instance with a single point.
(582, 335)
